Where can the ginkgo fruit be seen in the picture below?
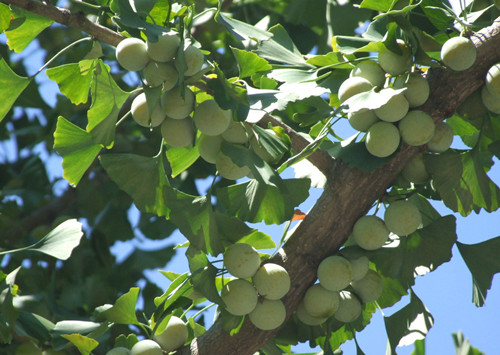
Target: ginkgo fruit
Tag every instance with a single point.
(371, 71)
(268, 314)
(396, 63)
(320, 302)
(141, 115)
(178, 133)
(402, 217)
(241, 260)
(334, 273)
(235, 133)
(209, 147)
(349, 307)
(442, 138)
(395, 108)
(210, 119)
(157, 73)
(359, 267)
(229, 169)
(417, 90)
(415, 171)
(362, 120)
(239, 296)
(176, 106)
(382, 139)
(173, 336)
(369, 288)
(165, 48)
(118, 351)
(146, 347)
(416, 128)
(307, 318)
(458, 53)
(353, 86)
(194, 60)
(272, 281)
(493, 79)
(490, 101)
(370, 232)
(131, 54)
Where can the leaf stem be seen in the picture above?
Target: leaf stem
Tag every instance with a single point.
(203, 310)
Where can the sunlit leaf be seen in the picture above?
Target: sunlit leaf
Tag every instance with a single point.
(123, 311)
(378, 5)
(84, 344)
(11, 86)
(5, 15)
(463, 346)
(74, 79)
(241, 30)
(249, 63)
(280, 48)
(75, 326)
(181, 158)
(25, 27)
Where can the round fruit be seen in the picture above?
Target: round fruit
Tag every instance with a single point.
(178, 133)
(359, 267)
(177, 107)
(362, 120)
(320, 302)
(235, 133)
(306, 318)
(416, 128)
(353, 86)
(415, 171)
(210, 119)
(140, 112)
(395, 63)
(490, 100)
(268, 314)
(402, 217)
(349, 308)
(228, 169)
(174, 335)
(146, 347)
(334, 273)
(369, 288)
(209, 147)
(239, 296)
(165, 48)
(493, 79)
(131, 54)
(241, 260)
(371, 71)
(157, 74)
(417, 90)
(382, 139)
(442, 138)
(271, 281)
(394, 109)
(370, 232)
(194, 60)
(118, 351)
(458, 53)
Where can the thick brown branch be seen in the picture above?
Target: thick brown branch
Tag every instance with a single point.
(67, 18)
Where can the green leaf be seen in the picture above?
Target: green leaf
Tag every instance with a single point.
(407, 325)
(378, 5)
(133, 21)
(77, 149)
(419, 347)
(462, 182)
(349, 45)
(74, 79)
(230, 95)
(25, 27)
(254, 201)
(181, 158)
(241, 30)
(75, 326)
(483, 263)
(34, 325)
(131, 172)
(123, 311)
(249, 63)
(84, 344)
(355, 154)
(204, 275)
(8, 313)
(5, 15)
(370, 100)
(330, 59)
(180, 287)
(462, 345)
(11, 86)
(234, 230)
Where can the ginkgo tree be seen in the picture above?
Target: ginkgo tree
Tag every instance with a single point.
(216, 118)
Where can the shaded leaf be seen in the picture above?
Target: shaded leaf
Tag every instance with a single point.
(234, 230)
(241, 30)
(25, 27)
(11, 86)
(123, 311)
(483, 263)
(355, 154)
(203, 275)
(34, 325)
(74, 79)
(462, 345)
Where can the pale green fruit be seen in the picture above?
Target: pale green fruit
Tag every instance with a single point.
(416, 128)
(239, 296)
(369, 288)
(146, 347)
(349, 308)
(417, 90)
(140, 112)
(458, 53)
(210, 119)
(359, 267)
(268, 314)
(157, 73)
(194, 60)
(442, 138)
(371, 71)
(235, 133)
(118, 351)
(241, 260)
(272, 281)
(394, 63)
(402, 217)
(178, 133)
(131, 54)
(228, 169)
(209, 147)
(353, 86)
(320, 302)
(394, 109)
(174, 335)
(334, 273)
(493, 79)
(490, 100)
(307, 318)
(362, 120)
(177, 107)
(415, 171)
(165, 48)
(382, 139)
(370, 232)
